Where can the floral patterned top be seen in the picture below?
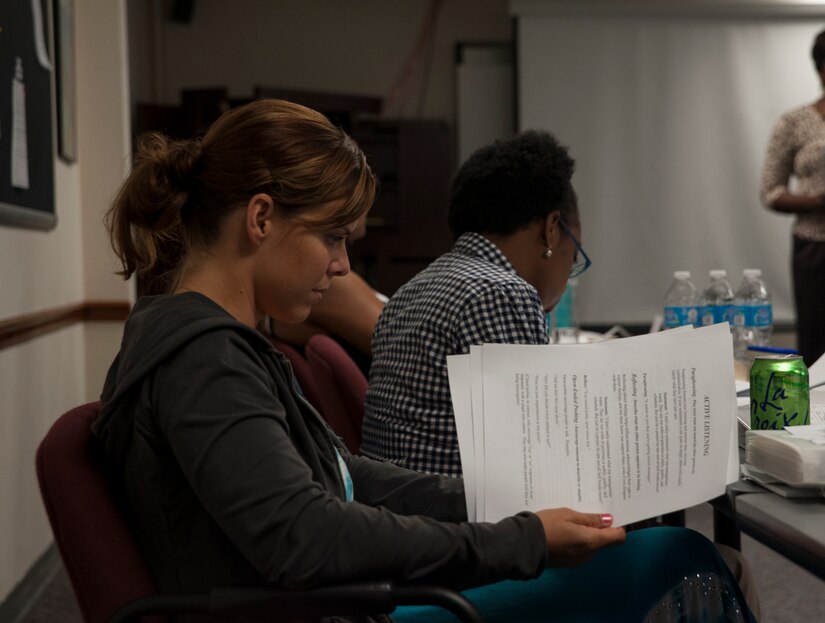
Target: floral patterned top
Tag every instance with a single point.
(797, 148)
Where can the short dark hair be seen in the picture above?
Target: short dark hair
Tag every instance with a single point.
(504, 186)
(818, 50)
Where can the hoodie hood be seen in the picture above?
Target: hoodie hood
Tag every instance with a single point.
(157, 327)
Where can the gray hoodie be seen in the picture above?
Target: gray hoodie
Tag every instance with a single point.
(232, 477)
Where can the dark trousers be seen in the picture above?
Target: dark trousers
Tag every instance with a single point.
(809, 297)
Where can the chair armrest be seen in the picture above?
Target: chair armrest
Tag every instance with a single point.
(355, 599)
(161, 604)
(352, 599)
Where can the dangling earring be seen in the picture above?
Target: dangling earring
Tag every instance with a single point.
(548, 253)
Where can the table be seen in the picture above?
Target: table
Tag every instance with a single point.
(794, 528)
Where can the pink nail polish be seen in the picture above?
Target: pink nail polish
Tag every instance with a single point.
(607, 519)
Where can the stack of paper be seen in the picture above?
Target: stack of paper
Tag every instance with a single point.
(772, 483)
(795, 456)
(636, 427)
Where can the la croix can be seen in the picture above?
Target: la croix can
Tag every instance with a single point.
(780, 395)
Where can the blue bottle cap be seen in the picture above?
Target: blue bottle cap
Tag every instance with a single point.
(774, 349)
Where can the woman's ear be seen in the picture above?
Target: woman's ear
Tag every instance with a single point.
(260, 212)
(551, 231)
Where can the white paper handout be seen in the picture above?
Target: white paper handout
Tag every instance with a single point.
(458, 372)
(816, 373)
(19, 130)
(636, 427)
(38, 25)
(817, 406)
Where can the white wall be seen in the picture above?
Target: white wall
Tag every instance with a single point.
(357, 46)
(41, 378)
(485, 102)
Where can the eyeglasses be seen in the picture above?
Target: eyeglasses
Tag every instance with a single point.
(580, 261)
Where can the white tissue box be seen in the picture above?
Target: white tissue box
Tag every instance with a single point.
(792, 459)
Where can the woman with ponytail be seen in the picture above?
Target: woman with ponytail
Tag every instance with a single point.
(230, 477)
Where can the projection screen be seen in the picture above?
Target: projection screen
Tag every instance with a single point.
(667, 113)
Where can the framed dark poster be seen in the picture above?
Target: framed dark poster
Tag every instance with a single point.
(65, 80)
(26, 119)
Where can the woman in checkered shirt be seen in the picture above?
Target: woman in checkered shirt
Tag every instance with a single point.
(514, 215)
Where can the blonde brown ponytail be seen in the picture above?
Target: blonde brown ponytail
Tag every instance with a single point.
(179, 192)
(144, 221)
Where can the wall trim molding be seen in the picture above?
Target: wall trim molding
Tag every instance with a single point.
(36, 324)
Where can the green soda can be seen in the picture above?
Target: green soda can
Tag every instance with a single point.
(779, 392)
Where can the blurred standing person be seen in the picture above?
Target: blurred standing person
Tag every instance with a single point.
(797, 149)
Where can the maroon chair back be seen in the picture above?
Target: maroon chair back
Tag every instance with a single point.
(110, 576)
(102, 559)
(344, 388)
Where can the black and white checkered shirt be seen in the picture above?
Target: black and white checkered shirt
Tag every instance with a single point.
(471, 295)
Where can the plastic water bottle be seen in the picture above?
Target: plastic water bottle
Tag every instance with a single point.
(565, 327)
(680, 301)
(753, 315)
(716, 300)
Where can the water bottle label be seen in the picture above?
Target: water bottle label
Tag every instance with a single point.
(713, 314)
(680, 315)
(757, 315)
(672, 317)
